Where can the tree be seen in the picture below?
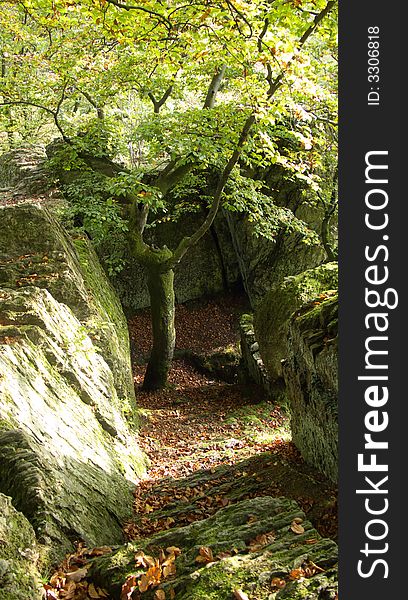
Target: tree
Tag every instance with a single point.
(159, 52)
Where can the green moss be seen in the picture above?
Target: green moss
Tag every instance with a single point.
(271, 318)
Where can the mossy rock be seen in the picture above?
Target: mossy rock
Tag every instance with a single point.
(19, 555)
(311, 377)
(36, 251)
(282, 300)
(68, 457)
(265, 263)
(230, 533)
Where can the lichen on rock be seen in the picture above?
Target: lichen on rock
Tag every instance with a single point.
(68, 443)
(252, 542)
(311, 377)
(272, 316)
(19, 555)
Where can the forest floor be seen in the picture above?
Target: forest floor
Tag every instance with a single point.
(211, 443)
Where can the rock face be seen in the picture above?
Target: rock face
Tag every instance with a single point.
(68, 453)
(253, 546)
(272, 316)
(264, 263)
(311, 378)
(21, 169)
(19, 578)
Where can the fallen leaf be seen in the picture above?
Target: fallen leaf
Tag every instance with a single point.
(205, 555)
(160, 595)
(77, 575)
(297, 528)
(128, 588)
(296, 574)
(277, 582)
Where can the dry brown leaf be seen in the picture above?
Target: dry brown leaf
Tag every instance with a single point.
(261, 540)
(128, 588)
(168, 570)
(143, 583)
(58, 580)
(311, 541)
(159, 595)
(240, 595)
(297, 528)
(205, 555)
(277, 582)
(296, 574)
(172, 594)
(92, 592)
(149, 561)
(297, 520)
(173, 550)
(77, 575)
(69, 592)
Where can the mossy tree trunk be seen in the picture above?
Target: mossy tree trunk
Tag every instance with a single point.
(161, 290)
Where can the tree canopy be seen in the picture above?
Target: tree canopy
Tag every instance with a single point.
(151, 96)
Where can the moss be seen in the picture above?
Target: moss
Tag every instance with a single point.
(228, 530)
(272, 316)
(19, 576)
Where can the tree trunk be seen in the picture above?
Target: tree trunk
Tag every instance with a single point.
(161, 291)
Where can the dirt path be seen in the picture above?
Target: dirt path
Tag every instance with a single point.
(204, 430)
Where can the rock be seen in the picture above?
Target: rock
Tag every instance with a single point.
(68, 447)
(67, 454)
(21, 169)
(19, 576)
(311, 379)
(264, 263)
(272, 316)
(247, 540)
(35, 250)
(251, 358)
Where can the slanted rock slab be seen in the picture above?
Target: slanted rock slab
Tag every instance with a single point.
(249, 545)
(19, 577)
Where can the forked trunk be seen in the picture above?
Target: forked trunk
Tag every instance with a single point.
(161, 291)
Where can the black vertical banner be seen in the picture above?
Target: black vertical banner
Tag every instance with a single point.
(373, 363)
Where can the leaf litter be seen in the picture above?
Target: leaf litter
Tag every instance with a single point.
(228, 423)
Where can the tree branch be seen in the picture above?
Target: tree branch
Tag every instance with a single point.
(99, 110)
(152, 13)
(159, 103)
(188, 242)
(214, 88)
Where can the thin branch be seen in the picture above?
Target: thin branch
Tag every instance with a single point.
(99, 110)
(152, 13)
(275, 85)
(187, 242)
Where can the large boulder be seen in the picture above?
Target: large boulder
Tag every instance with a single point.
(311, 377)
(272, 316)
(19, 576)
(265, 263)
(22, 169)
(250, 546)
(68, 447)
(36, 250)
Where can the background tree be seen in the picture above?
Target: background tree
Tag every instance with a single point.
(145, 96)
